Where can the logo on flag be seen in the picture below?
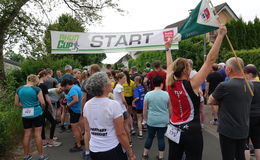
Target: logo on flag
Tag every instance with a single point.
(168, 35)
(205, 14)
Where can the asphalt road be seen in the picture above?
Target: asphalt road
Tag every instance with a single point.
(211, 148)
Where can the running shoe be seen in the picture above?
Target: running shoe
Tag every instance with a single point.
(133, 132)
(54, 144)
(144, 126)
(43, 157)
(140, 136)
(157, 157)
(44, 144)
(55, 138)
(28, 157)
(145, 157)
(85, 156)
(76, 149)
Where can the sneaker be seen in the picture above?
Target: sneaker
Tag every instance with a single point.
(76, 149)
(145, 157)
(54, 144)
(28, 157)
(44, 144)
(140, 136)
(43, 157)
(157, 157)
(55, 138)
(133, 132)
(85, 156)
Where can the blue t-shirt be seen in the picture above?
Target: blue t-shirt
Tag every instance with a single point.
(75, 90)
(28, 97)
(158, 114)
(139, 93)
(223, 72)
(203, 85)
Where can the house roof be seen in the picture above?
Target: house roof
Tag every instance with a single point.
(218, 8)
(11, 62)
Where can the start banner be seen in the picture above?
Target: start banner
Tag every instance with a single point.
(90, 42)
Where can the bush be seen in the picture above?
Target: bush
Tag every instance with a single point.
(10, 117)
(249, 56)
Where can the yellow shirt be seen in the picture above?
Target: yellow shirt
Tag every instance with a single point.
(113, 84)
(129, 89)
(257, 78)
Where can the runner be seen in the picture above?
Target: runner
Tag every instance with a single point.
(213, 80)
(74, 106)
(156, 112)
(68, 72)
(138, 103)
(58, 76)
(234, 101)
(30, 99)
(105, 122)
(185, 100)
(157, 71)
(76, 76)
(254, 127)
(94, 68)
(118, 92)
(148, 68)
(129, 86)
(50, 82)
(47, 113)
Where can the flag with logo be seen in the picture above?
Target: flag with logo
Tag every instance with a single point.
(201, 20)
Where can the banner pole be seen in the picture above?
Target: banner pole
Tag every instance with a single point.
(234, 52)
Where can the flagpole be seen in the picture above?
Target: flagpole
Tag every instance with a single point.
(234, 52)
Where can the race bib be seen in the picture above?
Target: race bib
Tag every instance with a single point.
(27, 112)
(173, 133)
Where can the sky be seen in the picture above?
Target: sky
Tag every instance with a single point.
(142, 15)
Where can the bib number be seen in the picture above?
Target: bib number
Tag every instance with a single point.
(27, 112)
(173, 133)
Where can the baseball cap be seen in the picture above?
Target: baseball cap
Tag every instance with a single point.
(221, 64)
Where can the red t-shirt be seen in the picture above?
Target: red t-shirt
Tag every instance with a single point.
(153, 74)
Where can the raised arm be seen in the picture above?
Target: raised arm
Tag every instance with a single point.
(169, 61)
(200, 77)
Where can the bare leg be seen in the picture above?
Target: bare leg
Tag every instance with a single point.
(257, 154)
(26, 141)
(202, 115)
(139, 122)
(38, 139)
(63, 115)
(247, 154)
(77, 133)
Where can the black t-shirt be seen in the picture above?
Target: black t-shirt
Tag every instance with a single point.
(234, 101)
(132, 77)
(214, 78)
(44, 92)
(255, 105)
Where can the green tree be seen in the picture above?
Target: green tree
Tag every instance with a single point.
(67, 23)
(21, 21)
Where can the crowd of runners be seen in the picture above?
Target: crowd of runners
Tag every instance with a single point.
(104, 108)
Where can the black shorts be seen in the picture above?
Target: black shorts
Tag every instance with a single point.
(254, 131)
(116, 153)
(129, 100)
(74, 117)
(139, 111)
(33, 122)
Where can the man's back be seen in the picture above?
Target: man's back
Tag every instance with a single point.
(153, 74)
(214, 79)
(234, 106)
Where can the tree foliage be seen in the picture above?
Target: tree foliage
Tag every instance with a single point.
(22, 21)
